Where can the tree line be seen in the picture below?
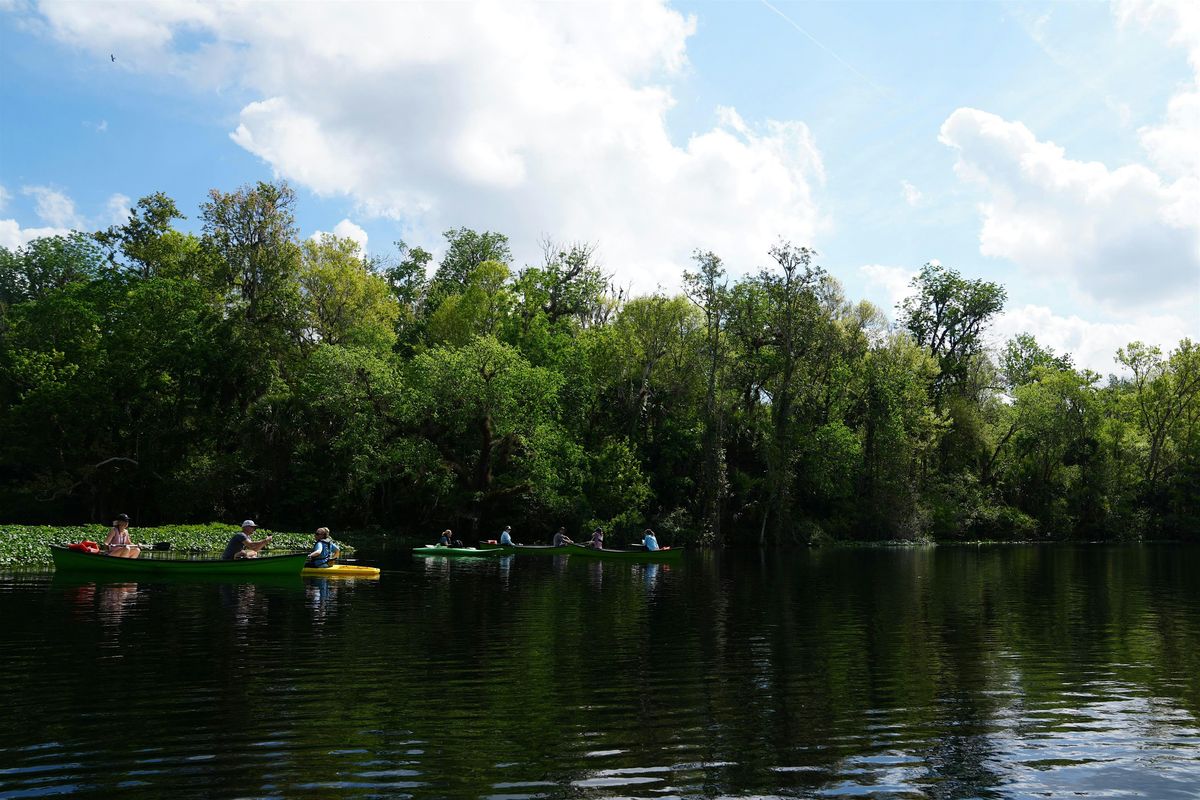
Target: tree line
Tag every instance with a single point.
(244, 371)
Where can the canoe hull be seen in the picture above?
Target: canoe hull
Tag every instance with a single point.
(455, 552)
(93, 563)
(640, 556)
(341, 571)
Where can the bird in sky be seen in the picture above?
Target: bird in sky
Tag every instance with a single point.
(110, 55)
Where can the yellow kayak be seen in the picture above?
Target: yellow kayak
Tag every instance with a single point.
(342, 571)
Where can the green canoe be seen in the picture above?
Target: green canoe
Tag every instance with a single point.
(66, 560)
(651, 556)
(456, 552)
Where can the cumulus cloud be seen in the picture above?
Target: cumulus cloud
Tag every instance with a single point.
(117, 208)
(1120, 236)
(524, 117)
(1092, 345)
(886, 286)
(12, 235)
(347, 230)
(1174, 144)
(53, 207)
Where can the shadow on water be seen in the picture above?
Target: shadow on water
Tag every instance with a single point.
(933, 672)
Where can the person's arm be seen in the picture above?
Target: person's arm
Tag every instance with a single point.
(257, 546)
(112, 532)
(313, 554)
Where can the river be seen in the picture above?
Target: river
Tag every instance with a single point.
(947, 672)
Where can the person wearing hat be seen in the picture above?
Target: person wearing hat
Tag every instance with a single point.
(118, 544)
(242, 545)
(597, 542)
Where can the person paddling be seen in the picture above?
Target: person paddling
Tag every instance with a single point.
(597, 542)
(561, 538)
(242, 544)
(446, 539)
(325, 550)
(506, 536)
(649, 540)
(118, 544)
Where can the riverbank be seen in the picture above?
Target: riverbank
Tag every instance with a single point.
(26, 545)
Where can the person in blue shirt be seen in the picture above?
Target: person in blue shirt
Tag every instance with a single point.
(445, 539)
(649, 540)
(506, 536)
(325, 550)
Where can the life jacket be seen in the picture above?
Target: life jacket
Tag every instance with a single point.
(86, 546)
(327, 547)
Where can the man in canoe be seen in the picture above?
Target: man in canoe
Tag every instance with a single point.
(649, 540)
(506, 536)
(561, 538)
(325, 550)
(242, 545)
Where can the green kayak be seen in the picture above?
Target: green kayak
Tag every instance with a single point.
(455, 552)
(66, 560)
(641, 555)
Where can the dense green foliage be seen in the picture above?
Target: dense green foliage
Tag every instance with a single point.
(243, 371)
(25, 545)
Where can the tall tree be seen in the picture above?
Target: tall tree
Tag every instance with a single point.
(947, 315)
(707, 289)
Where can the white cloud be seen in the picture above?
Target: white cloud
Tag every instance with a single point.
(117, 207)
(1091, 344)
(1121, 236)
(887, 286)
(347, 230)
(53, 207)
(522, 117)
(12, 235)
(1126, 236)
(912, 195)
(1173, 145)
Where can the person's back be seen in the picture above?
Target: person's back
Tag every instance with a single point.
(324, 551)
(236, 543)
(558, 540)
(650, 540)
(506, 537)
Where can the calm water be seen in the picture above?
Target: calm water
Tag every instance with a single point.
(941, 673)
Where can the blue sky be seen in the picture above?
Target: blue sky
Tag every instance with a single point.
(1049, 146)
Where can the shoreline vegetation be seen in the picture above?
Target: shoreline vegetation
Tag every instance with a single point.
(238, 368)
(26, 545)
(23, 546)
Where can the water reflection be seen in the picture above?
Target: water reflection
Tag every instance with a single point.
(947, 672)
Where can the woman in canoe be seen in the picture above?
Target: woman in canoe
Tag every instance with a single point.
(597, 542)
(118, 544)
(446, 539)
(325, 550)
